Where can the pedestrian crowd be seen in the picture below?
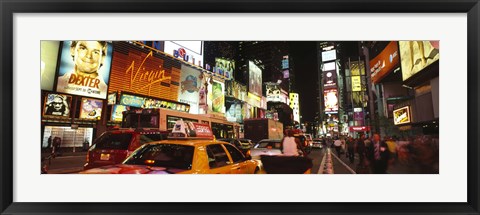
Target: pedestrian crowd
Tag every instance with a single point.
(418, 154)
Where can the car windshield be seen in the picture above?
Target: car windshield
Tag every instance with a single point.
(109, 140)
(274, 145)
(163, 155)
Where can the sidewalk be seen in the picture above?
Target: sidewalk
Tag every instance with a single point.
(67, 162)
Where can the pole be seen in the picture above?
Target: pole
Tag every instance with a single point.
(370, 93)
(74, 135)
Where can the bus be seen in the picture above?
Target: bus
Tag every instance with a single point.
(165, 119)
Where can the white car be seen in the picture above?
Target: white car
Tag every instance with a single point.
(266, 147)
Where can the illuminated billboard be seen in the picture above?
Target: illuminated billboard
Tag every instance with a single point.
(112, 98)
(285, 62)
(416, 55)
(385, 62)
(190, 84)
(57, 105)
(85, 68)
(149, 103)
(216, 97)
(401, 116)
(49, 54)
(356, 84)
(188, 51)
(255, 79)
(117, 112)
(144, 72)
(91, 109)
(295, 105)
(331, 100)
(329, 55)
(234, 110)
(224, 68)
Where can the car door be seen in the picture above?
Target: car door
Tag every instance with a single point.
(218, 160)
(238, 166)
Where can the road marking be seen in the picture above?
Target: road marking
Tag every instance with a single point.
(344, 164)
(322, 164)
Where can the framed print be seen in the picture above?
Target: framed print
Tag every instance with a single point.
(153, 57)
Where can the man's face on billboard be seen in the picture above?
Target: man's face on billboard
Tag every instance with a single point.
(87, 56)
(57, 103)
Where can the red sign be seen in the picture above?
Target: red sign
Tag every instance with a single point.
(202, 130)
(359, 128)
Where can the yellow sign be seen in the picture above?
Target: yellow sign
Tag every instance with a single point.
(356, 84)
(401, 115)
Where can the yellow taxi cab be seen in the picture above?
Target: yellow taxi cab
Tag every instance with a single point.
(190, 149)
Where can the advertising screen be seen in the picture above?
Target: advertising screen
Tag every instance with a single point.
(401, 116)
(233, 110)
(112, 98)
(224, 68)
(117, 112)
(331, 100)
(91, 109)
(385, 62)
(285, 62)
(49, 54)
(273, 93)
(144, 72)
(216, 97)
(189, 90)
(57, 105)
(255, 79)
(330, 79)
(329, 55)
(294, 104)
(188, 51)
(356, 83)
(84, 68)
(416, 55)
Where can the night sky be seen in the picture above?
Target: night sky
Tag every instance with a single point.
(304, 58)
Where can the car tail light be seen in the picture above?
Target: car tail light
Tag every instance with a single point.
(88, 156)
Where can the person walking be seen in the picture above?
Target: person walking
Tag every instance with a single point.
(338, 146)
(378, 155)
(350, 150)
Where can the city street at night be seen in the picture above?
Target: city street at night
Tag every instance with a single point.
(240, 107)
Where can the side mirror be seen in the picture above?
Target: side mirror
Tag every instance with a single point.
(248, 156)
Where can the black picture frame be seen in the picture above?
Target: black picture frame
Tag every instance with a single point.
(10, 7)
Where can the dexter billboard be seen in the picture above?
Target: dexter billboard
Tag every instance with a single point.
(385, 62)
(85, 68)
(416, 55)
(402, 116)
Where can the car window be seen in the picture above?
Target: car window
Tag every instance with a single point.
(146, 138)
(118, 141)
(163, 155)
(217, 157)
(236, 155)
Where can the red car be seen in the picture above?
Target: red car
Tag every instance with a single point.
(112, 147)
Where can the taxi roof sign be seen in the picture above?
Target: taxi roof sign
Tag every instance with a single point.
(183, 129)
